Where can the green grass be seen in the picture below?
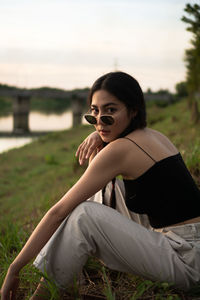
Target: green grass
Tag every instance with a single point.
(35, 176)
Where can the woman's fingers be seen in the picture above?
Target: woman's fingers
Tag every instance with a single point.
(88, 151)
(79, 149)
(85, 152)
(81, 152)
(9, 288)
(10, 285)
(87, 147)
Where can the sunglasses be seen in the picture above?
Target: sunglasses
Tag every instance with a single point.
(108, 120)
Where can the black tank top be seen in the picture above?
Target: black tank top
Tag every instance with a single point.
(166, 192)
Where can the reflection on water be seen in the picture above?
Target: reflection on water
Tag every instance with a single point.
(37, 122)
(40, 122)
(12, 142)
(6, 123)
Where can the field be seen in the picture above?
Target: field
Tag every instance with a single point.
(34, 177)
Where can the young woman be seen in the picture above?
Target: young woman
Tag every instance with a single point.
(154, 228)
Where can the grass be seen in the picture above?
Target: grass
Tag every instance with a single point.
(35, 176)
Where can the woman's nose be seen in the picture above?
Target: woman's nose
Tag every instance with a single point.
(98, 118)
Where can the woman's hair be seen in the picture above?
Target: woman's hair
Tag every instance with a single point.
(126, 89)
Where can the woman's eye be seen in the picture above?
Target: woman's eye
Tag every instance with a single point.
(94, 111)
(111, 110)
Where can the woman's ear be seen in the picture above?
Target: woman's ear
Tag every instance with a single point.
(134, 113)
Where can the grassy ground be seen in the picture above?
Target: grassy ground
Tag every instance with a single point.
(34, 177)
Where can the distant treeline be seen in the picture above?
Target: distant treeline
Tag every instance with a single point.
(48, 99)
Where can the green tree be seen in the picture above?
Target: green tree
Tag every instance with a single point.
(181, 89)
(192, 58)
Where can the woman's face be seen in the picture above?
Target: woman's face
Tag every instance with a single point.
(104, 103)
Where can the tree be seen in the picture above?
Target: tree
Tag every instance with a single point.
(181, 89)
(192, 58)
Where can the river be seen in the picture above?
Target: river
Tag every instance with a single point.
(37, 122)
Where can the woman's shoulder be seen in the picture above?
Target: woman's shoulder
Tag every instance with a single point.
(116, 147)
(148, 135)
(116, 151)
(153, 142)
(145, 133)
(122, 144)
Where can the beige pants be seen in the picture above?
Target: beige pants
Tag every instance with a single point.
(124, 241)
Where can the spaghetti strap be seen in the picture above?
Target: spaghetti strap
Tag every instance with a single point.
(140, 148)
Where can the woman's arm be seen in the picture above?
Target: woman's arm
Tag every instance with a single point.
(89, 147)
(102, 169)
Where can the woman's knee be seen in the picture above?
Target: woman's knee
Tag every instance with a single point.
(83, 214)
(89, 218)
(81, 227)
(84, 209)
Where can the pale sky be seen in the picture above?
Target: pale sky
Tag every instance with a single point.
(70, 43)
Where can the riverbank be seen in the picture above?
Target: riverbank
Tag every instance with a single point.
(24, 134)
(35, 176)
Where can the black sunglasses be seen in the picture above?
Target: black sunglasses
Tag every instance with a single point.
(108, 120)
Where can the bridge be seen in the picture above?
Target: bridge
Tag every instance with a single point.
(21, 107)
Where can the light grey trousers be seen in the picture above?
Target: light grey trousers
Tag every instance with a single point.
(124, 241)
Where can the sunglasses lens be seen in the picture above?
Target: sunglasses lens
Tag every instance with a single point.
(107, 120)
(90, 119)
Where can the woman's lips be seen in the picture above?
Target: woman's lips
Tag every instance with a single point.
(104, 132)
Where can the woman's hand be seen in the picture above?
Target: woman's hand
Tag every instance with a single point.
(10, 285)
(88, 146)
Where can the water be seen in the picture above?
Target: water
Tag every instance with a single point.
(40, 122)
(37, 122)
(12, 142)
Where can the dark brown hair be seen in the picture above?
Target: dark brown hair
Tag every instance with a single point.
(126, 89)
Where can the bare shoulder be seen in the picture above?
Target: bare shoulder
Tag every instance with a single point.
(114, 155)
(154, 143)
(148, 134)
(108, 163)
(158, 134)
(114, 149)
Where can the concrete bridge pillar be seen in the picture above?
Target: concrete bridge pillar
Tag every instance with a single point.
(77, 110)
(21, 107)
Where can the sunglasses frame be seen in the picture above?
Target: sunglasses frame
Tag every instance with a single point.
(102, 118)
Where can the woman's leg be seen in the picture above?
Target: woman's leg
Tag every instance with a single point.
(123, 245)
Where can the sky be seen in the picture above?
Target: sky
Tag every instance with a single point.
(70, 43)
